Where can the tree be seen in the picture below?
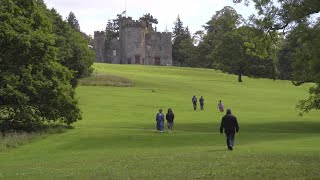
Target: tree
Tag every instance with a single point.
(245, 51)
(286, 15)
(112, 31)
(73, 51)
(35, 86)
(181, 36)
(178, 29)
(73, 22)
(222, 22)
(148, 19)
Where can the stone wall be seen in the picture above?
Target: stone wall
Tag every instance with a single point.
(99, 45)
(137, 44)
(113, 51)
(158, 48)
(132, 40)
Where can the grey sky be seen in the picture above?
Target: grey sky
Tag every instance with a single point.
(94, 14)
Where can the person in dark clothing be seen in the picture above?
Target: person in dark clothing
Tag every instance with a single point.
(230, 125)
(201, 100)
(194, 102)
(170, 118)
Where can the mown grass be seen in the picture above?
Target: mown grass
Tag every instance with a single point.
(98, 79)
(117, 139)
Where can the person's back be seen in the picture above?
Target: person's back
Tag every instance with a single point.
(159, 117)
(194, 102)
(160, 120)
(201, 100)
(229, 123)
(170, 117)
(194, 99)
(220, 106)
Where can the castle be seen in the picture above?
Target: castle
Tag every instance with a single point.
(138, 43)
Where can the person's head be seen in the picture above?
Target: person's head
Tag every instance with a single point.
(169, 110)
(160, 110)
(220, 101)
(228, 111)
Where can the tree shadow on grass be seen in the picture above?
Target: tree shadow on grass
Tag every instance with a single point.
(272, 127)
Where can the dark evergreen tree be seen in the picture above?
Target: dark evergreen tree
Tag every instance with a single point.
(73, 22)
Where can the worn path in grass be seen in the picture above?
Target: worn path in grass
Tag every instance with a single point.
(117, 140)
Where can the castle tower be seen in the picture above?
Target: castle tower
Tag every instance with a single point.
(137, 44)
(132, 41)
(99, 46)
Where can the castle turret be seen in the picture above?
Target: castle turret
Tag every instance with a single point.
(132, 41)
(99, 45)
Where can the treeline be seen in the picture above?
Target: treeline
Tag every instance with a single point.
(228, 43)
(282, 42)
(42, 57)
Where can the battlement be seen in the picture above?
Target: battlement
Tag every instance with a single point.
(133, 23)
(164, 33)
(99, 33)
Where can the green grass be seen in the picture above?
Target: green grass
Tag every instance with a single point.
(99, 79)
(117, 139)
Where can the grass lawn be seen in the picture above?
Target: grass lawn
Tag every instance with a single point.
(117, 138)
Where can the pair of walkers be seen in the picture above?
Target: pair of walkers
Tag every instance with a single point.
(195, 100)
(160, 120)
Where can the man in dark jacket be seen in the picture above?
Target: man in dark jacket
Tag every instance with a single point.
(194, 102)
(230, 125)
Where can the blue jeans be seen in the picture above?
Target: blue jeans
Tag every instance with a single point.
(230, 138)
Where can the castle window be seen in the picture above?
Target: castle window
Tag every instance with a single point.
(114, 52)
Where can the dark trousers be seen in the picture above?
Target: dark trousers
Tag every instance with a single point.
(201, 106)
(194, 106)
(230, 138)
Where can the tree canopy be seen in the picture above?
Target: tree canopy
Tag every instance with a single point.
(41, 57)
(301, 43)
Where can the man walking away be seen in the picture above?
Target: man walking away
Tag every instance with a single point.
(201, 100)
(194, 102)
(230, 125)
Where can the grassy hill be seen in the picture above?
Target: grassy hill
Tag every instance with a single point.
(117, 138)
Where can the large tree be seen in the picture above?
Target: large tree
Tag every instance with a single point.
(35, 86)
(245, 51)
(283, 15)
(181, 41)
(222, 22)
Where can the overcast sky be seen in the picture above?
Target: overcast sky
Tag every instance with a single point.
(94, 14)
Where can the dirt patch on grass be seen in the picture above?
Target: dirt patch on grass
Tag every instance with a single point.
(106, 80)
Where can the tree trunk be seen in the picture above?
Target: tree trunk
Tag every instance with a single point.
(239, 77)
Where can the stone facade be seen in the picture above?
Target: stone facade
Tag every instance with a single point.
(138, 43)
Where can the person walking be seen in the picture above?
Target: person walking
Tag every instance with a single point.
(194, 102)
(170, 118)
(160, 121)
(220, 106)
(230, 125)
(201, 100)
